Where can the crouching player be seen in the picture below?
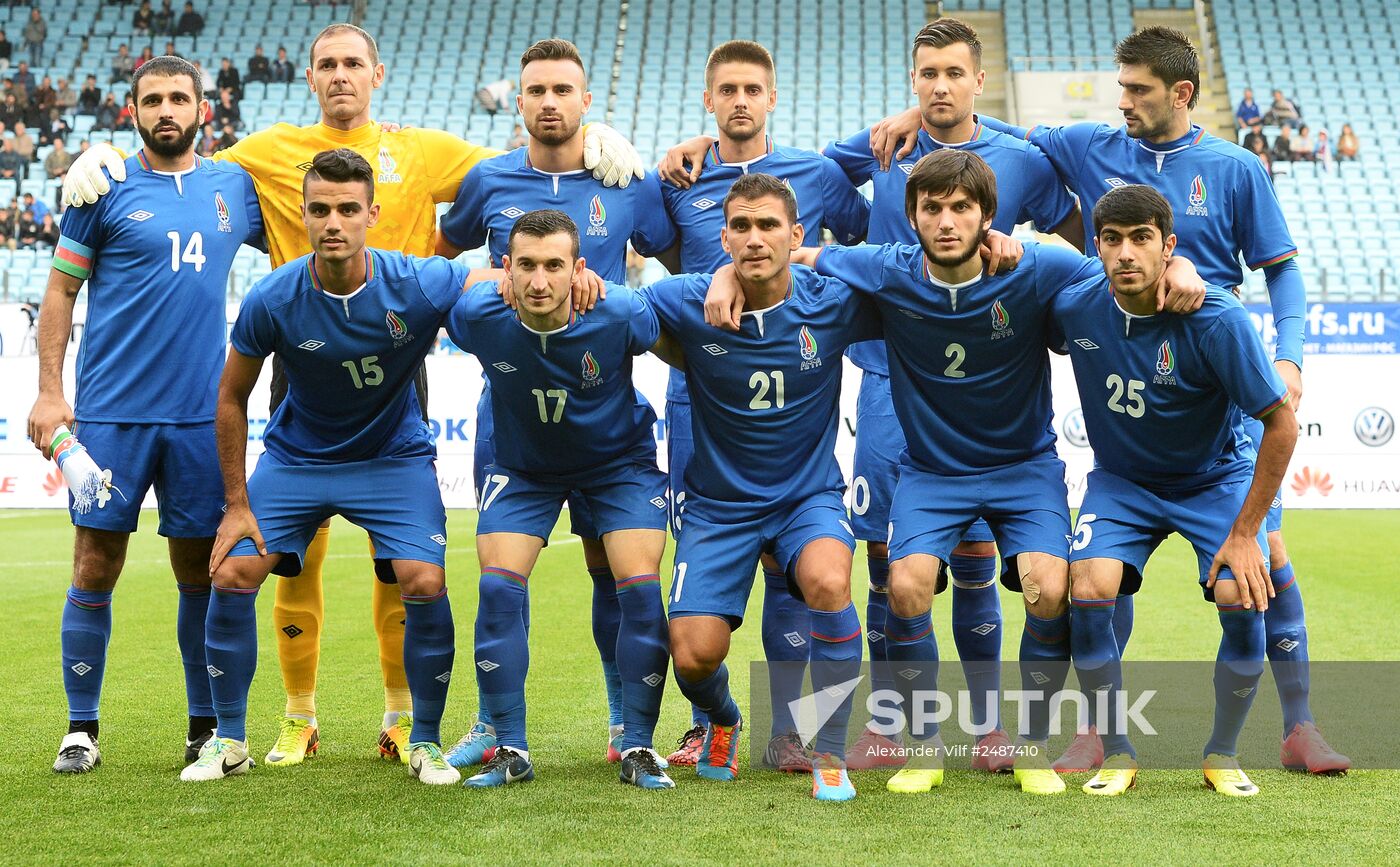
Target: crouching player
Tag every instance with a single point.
(351, 325)
(764, 476)
(567, 419)
(1161, 398)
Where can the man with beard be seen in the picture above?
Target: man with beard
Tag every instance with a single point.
(416, 169)
(549, 174)
(156, 255)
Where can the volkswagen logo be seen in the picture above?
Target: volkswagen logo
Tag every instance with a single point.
(1073, 429)
(1374, 426)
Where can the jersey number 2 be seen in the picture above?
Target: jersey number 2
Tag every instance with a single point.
(193, 253)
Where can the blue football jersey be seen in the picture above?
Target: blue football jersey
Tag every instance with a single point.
(1028, 190)
(825, 200)
(562, 401)
(349, 359)
(765, 400)
(156, 253)
(1223, 203)
(497, 191)
(1159, 392)
(969, 371)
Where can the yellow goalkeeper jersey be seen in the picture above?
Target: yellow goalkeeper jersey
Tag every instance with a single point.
(415, 169)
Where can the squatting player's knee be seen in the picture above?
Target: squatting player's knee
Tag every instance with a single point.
(908, 596)
(827, 590)
(98, 556)
(1044, 585)
(419, 579)
(244, 573)
(975, 549)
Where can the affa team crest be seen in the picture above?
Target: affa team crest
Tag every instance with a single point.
(1196, 199)
(1166, 364)
(1001, 321)
(398, 329)
(221, 209)
(807, 347)
(592, 371)
(597, 218)
(388, 168)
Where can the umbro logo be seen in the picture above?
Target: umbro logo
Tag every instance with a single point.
(439, 538)
(1244, 693)
(875, 636)
(985, 629)
(1287, 645)
(703, 204)
(659, 502)
(906, 168)
(1040, 677)
(444, 677)
(1115, 182)
(140, 216)
(305, 167)
(291, 630)
(795, 639)
(80, 669)
(312, 345)
(214, 672)
(908, 673)
(488, 665)
(1086, 344)
(715, 349)
(513, 213)
(910, 313)
(503, 367)
(652, 679)
(845, 526)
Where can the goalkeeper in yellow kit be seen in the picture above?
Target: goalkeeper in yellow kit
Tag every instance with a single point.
(417, 168)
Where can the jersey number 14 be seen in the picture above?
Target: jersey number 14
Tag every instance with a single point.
(193, 253)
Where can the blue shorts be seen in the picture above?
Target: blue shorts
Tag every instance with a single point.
(628, 493)
(680, 445)
(396, 500)
(1121, 520)
(484, 455)
(1254, 432)
(879, 444)
(716, 557)
(1026, 506)
(181, 460)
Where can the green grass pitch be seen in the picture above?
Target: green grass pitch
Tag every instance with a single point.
(347, 806)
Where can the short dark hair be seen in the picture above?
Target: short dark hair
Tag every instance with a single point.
(542, 224)
(949, 169)
(1133, 205)
(738, 51)
(169, 67)
(553, 49)
(340, 166)
(1167, 53)
(945, 32)
(758, 185)
(342, 27)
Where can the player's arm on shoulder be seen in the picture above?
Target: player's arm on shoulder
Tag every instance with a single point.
(1182, 290)
(894, 137)
(1261, 233)
(860, 267)
(449, 159)
(1050, 205)
(86, 182)
(847, 211)
(441, 281)
(666, 298)
(51, 408)
(683, 163)
(231, 432)
(653, 231)
(724, 300)
(646, 332)
(1057, 268)
(854, 156)
(610, 156)
(1066, 146)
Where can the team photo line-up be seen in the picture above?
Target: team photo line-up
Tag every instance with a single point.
(921, 285)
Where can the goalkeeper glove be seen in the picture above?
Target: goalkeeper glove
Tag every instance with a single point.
(610, 157)
(85, 184)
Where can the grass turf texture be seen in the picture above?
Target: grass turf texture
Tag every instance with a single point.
(345, 805)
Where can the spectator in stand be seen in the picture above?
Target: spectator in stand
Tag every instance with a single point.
(12, 165)
(1303, 145)
(206, 81)
(1254, 140)
(123, 64)
(226, 113)
(1348, 145)
(107, 113)
(8, 218)
(1322, 154)
(229, 79)
(83, 147)
(495, 96)
(163, 22)
(146, 54)
(10, 112)
(48, 232)
(55, 129)
(24, 78)
(24, 142)
(518, 138)
(90, 97)
(57, 163)
(1282, 151)
(6, 48)
(259, 69)
(1247, 115)
(36, 30)
(141, 19)
(125, 117)
(191, 22)
(27, 233)
(282, 69)
(208, 142)
(37, 207)
(64, 98)
(227, 140)
(1284, 112)
(170, 49)
(43, 98)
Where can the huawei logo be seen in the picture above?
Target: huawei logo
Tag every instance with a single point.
(53, 483)
(1308, 478)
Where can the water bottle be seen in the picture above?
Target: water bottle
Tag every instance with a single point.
(88, 484)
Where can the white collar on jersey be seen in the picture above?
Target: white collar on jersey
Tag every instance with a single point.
(953, 288)
(1129, 317)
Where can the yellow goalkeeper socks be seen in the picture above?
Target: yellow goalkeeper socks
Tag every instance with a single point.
(297, 613)
(389, 627)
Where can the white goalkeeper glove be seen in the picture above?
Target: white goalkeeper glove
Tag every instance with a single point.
(85, 183)
(610, 157)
